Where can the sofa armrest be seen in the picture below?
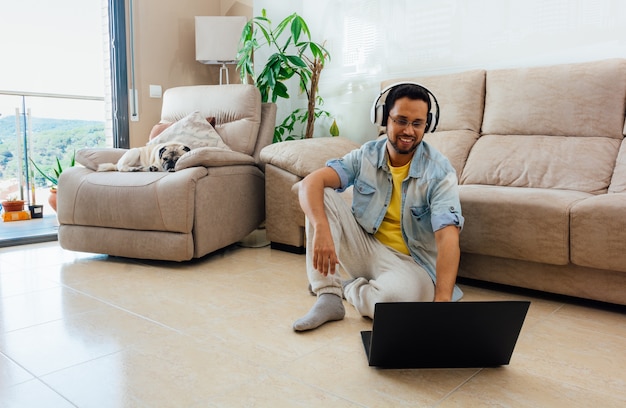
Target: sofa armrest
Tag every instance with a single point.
(92, 157)
(301, 157)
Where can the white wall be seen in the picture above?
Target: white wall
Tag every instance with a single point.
(374, 40)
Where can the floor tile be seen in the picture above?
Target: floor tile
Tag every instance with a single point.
(571, 353)
(32, 394)
(11, 373)
(515, 387)
(33, 308)
(18, 282)
(168, 371)
(286, 392)
(45, 348)
(341, 368)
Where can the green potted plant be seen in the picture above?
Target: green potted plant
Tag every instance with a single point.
(57, 170)
(296, 56)
(54, 178)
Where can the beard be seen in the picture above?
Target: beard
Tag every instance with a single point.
(403, 148)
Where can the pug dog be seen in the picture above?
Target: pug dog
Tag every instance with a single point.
(158, 157)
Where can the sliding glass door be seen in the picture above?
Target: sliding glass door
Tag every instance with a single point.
(39, 128)
(56, 93)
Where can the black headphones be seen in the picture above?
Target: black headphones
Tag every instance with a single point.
(379, 113)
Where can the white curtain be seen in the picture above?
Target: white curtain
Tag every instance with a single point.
(374, 40)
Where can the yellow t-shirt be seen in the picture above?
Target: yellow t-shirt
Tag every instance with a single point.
(390, 230)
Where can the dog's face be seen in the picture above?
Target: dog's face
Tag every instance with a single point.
(169, 155)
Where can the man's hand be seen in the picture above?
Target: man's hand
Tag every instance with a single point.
(324, 256)
(311, 194)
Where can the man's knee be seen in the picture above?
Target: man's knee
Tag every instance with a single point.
(400, 292)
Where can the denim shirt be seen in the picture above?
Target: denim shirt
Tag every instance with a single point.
(430, 196)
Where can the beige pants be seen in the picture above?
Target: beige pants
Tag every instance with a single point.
(382, 273)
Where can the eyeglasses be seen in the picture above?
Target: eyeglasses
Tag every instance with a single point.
(417, 125)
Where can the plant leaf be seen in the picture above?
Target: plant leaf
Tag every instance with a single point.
(295, 60)
(266, 33)
(283, 24)
(304, 27)
(281, 90)
(296, 28)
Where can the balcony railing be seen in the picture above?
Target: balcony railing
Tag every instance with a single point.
(45, 127)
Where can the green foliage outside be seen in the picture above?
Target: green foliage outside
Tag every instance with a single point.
(50, 139)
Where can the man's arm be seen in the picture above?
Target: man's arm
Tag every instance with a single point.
(311, 196)
(448, 255)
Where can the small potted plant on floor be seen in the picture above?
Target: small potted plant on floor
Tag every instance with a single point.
(54, 178)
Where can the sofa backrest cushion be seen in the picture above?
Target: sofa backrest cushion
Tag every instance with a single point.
(454, 144)
(236, 108)
(551, 127)
(559, 162)
(584, 99)
(461, 98)
(618, 181)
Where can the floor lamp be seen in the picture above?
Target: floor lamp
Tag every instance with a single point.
(217, 41)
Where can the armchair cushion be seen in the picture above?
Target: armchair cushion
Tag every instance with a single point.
(161, 126)
(236, 109)
(212, 157)
(194, 131)
(92, 157)
(202, 156)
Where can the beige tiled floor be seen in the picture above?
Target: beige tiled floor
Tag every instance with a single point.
(91, 331)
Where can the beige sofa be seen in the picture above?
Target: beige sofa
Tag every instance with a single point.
(215, 198)
(541, 161)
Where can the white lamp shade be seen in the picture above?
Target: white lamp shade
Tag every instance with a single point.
(217, 38)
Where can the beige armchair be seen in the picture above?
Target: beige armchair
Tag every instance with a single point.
(214, 199)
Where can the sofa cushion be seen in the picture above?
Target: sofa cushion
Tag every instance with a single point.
(193, 131)
(301, 157)
(461, 98)
(598, 232)
(571, 280)
(618, 180)
(527, 224)
(454, 144)
(236, 108)
(585, 99)
(558, 162)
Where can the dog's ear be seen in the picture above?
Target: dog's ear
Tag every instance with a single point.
(161, 151)
(186, 148)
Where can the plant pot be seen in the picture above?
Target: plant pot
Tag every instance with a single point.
(17, 205)
(52, 199)
(36, 211)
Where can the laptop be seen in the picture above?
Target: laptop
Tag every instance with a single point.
(444, 334)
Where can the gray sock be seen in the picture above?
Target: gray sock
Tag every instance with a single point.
(327, 308)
